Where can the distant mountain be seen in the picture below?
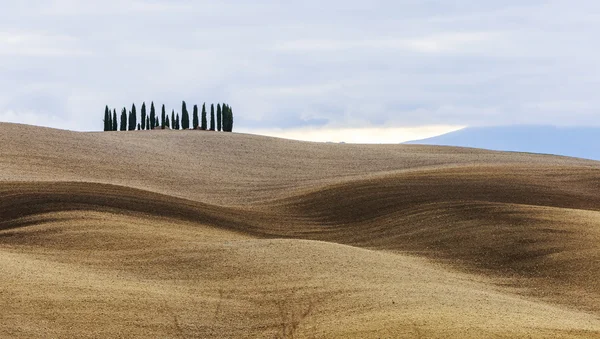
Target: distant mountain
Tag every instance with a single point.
(580, 142)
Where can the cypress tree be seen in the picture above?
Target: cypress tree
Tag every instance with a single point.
(163, 118)
(225, 117)
(203, 123)
(114, 120)
(195, 119)
(123, 126)
(105, 120)
(212, 117)
(156, 123)
(185, 117)
(132, 118)
(109, 124)
(219, 117)
(152, 116)
(168, 122)
(230, 120)
(143, 115)
(139, 126)
(177, 124)
(148, 122)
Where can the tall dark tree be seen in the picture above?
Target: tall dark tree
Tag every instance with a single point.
(144, 115)
(148, 122)
(114, 120)
(219, 117)
(139, 127)
(195, 122)
(185, 117)
(227, 119)
(230, 120)
(173, 119)
(163, 117)
(224, 117)
(106, 119)
(129, 120)
(177, 122)
(123, 126)
(152, 116)
(168, 122)
(132, 118)
(110, 123)
(212, 117)
(203, 122)
(156, 123)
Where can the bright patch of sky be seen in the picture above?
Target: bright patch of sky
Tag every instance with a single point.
(362, 135)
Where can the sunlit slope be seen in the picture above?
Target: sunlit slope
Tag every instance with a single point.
(222, 168)
(200, 234)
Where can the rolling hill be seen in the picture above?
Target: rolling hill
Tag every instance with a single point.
(580, 142)
(195, 234)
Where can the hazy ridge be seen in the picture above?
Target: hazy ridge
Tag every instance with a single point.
(580, 142)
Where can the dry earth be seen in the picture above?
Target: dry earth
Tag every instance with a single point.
(173, 234)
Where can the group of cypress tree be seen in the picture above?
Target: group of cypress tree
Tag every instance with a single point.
(128, 120)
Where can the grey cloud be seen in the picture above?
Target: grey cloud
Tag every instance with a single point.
(282, 64)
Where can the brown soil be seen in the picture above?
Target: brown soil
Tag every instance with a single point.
(186, 234)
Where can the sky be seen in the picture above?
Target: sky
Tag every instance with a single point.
(356, 71)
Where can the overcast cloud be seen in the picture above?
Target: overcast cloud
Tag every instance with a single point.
(309, 64)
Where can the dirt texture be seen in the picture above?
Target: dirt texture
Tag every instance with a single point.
(182, 234)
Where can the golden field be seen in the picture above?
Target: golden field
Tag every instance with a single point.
(188, 234)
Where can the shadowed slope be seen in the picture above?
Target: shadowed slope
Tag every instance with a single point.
(20, 201)
(491, 220)
(537, 225)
